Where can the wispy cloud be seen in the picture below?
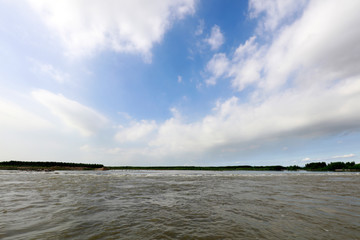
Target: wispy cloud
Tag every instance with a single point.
(200, 27)
(50, 71)
(351, 155)
(345, 156)
(179, 79)
(73, 114)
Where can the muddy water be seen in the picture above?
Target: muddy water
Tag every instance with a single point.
(179, 205)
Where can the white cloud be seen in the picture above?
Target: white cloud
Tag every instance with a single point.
(320, 47)
(216, 38)
(274, 12)
(289, 115)
(305, 50)
(86, 26)
(246, 65)
(351, 155)
(217, 67)
(247, 49)
(73, 114)
(138, 131)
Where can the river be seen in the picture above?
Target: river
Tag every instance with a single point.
(179, 205)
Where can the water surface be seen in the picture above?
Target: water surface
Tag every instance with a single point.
(179, 205)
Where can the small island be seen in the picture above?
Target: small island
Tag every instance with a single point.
(58, 166)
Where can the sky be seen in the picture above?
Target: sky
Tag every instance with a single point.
(180, 82)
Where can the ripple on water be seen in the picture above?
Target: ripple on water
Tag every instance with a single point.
(179, 205)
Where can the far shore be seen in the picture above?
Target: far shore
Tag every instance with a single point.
(62, 166)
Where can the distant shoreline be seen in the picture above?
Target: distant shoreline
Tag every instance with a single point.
(198, 168)
(62, 166)
(228, 168)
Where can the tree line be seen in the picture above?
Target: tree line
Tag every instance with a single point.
(323, 166)
(48, 164)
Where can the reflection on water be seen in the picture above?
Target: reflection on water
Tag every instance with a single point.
(179, 205)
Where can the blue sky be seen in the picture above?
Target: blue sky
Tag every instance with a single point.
(180, 82)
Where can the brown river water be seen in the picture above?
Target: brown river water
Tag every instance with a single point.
(179, 205)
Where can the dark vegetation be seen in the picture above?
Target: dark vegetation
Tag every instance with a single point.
(40, 166)
(51, 166)
(334, 166)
